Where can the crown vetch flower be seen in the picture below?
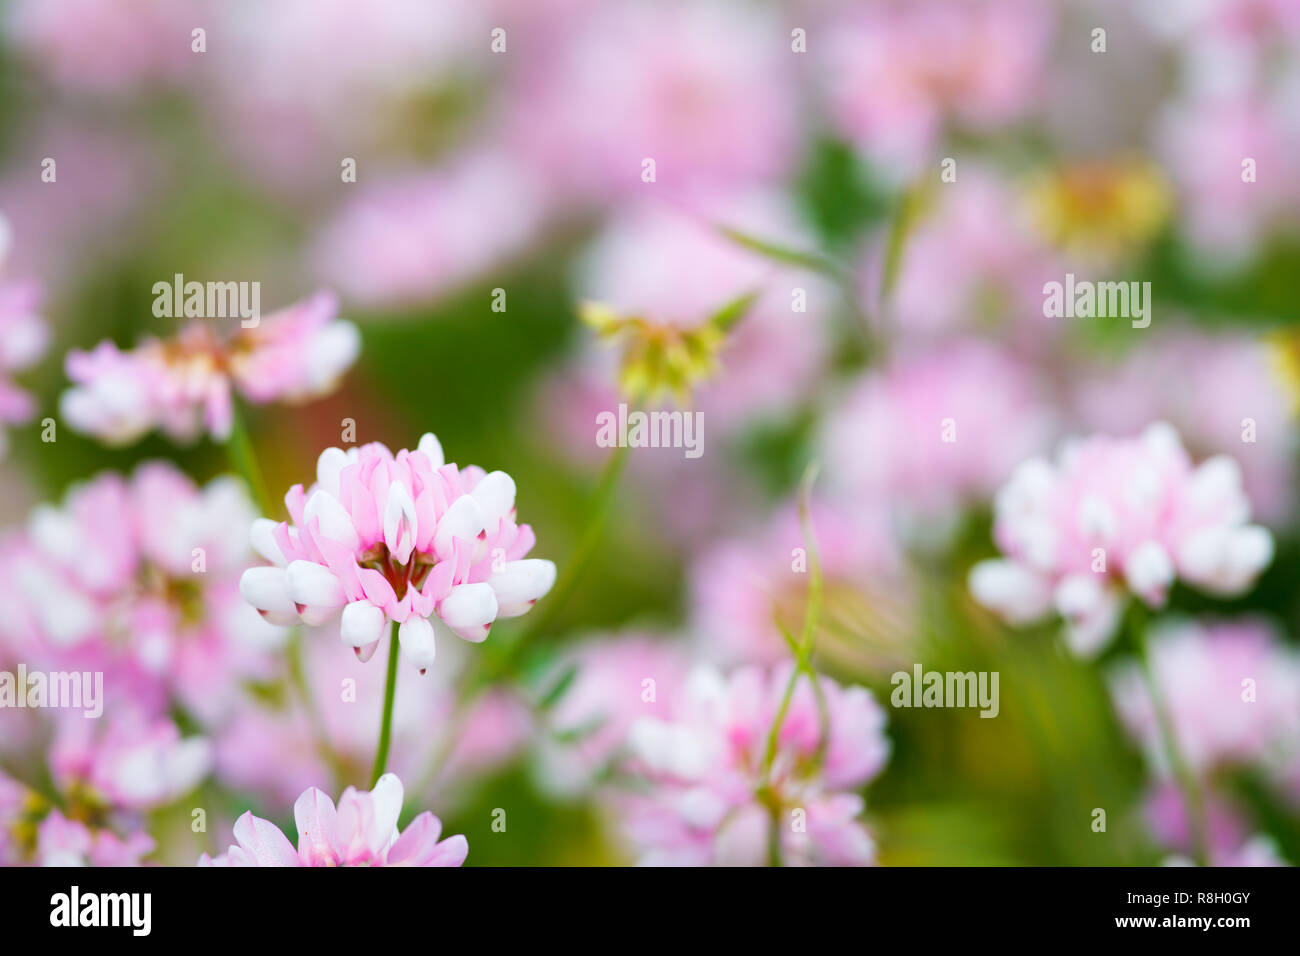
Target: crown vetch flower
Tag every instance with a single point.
(360, 831)
(1116, 516)
(708, 800)
(184, 384)
(403, 538)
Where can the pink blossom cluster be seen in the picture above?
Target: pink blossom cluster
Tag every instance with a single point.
(360, 831)
(138, 578)
(1111, 517)
(186, 385)
(404, 539)
(709, 795)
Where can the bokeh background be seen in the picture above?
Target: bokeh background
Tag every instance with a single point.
(797, 146)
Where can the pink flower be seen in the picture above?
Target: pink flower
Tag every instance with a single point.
(616, 681)
(1113, 517)
(104, 46)
(936, 431)
(138, 578)
(703, 768)
(1229, 837)
(704, 89)
(899, 71)
(127, 760)
(361, 831)
(402, 539)
(1232, 692)
(184, 385)
(64, 842)
(410, 239)
(23, 339)
(1242, 409)
(741, 587)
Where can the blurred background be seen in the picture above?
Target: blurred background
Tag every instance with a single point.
(799, 154)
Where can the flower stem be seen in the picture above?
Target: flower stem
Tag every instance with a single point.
(1185, 778)
(802, 665)
(386, 727)
(239, 448)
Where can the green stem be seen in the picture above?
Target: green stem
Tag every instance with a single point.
(239, 448)
(1184, 777)
(803, 664)
(386, 727)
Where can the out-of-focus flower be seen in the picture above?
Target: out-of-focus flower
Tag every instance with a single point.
(710, 799)
(703, 89)
(1242, 406)
(1228, 836)
(1101, 210)
(1231, 691)
(407, 240)
(126, 760)
(104, 46)
(973, 262)
(745, 589)
(1113, 517)
(699, 314)
(138, 578)
(360, 831)
(402, 538)
(306, 78)
(183, 385)
(23, 339)
(615, 682)
(898, 72)
(936, 431)
(64, 842)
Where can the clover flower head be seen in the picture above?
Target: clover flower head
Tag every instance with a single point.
(709, 794)
(405, 539)
(360, 831)
(185, 385)
(1113, 517)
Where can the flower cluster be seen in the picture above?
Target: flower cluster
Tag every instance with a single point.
(712, 796)
(402, 538)
(185, 385)
(1112, 516)
(360, 831)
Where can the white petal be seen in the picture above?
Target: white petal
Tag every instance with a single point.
(432, 449)
(496, 496)
(416, 637)
(267, 589)
(464, 519)
(328, 465)
(313, 585)
(362, 624)
(1011, 589)
(1149, 572)
(400, 523)
(262, 538)
(335, 523)
(469, 610)
(519, 584)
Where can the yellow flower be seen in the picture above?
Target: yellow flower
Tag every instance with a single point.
(660, 359)
(1101, 209)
